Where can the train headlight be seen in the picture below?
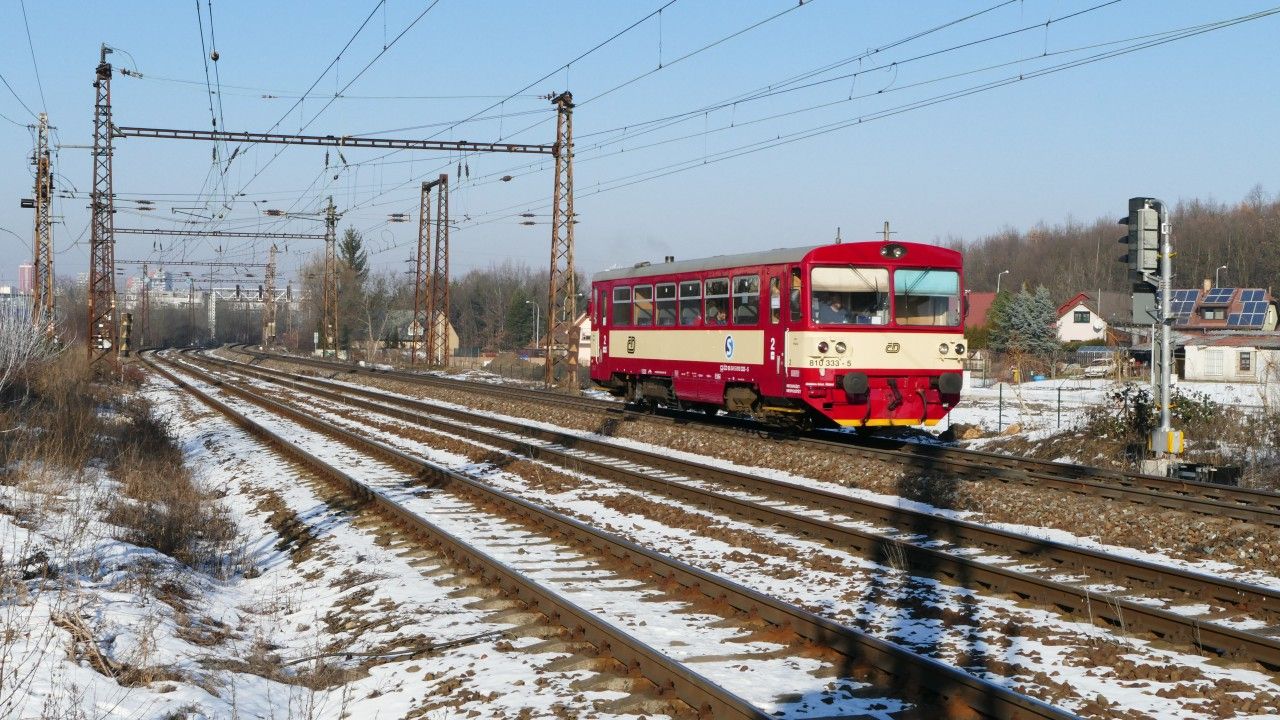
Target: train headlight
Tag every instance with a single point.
(823, 346)
(959, 348)
(943, 349)
(841, 347)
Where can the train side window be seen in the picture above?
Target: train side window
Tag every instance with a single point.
(746, 300)
(717, 301)
(775, 300)
(690, 302)
(622, 306)
(667, 305)
(643, 302)
(796, 313)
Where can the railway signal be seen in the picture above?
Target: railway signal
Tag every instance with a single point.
(1150, 260)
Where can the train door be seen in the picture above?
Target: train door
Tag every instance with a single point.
(775, 336)
(792, 324)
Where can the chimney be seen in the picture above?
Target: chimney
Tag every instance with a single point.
(1207, 285)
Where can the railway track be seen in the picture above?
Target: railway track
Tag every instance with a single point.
(944, 691)
(1243, 504)
(916, 538)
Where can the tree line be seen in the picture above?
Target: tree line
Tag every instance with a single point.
(1073, 257)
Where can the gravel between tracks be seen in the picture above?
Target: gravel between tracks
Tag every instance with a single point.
(1185, 536)
(1014, 643)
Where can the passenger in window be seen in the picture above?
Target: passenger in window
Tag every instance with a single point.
(831, 310)
(689, 316)
(716, 314)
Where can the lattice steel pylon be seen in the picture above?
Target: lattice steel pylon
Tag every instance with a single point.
(101, 337)
(269, 301)
(42, 247)
(562, 335)
(329, 330)
(421, 275)
(144, 303)
(438, 306)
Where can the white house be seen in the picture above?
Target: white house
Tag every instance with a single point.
(1235, 357)
(583, 324)
(1087, 317)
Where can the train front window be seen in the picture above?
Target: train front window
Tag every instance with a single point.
(926, 297)
(849, 295)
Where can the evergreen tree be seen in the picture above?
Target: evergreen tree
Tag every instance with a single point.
(998, 321)
(352, 254)
(1024, 323)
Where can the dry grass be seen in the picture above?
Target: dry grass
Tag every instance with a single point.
(62, 418)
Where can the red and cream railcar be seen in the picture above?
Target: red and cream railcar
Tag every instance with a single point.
(859, 334)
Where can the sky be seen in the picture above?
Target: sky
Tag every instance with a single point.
(702, 127)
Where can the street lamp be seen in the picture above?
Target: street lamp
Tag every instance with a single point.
(1002, 272)
(537, 316)
(1215, 275)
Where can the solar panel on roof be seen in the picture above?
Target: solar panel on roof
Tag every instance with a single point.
(1218, 296)
(1253, 295)
(1233, 319)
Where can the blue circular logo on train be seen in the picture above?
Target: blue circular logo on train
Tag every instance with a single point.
(728, 347)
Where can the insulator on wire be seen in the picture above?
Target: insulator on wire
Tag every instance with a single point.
(468, 168)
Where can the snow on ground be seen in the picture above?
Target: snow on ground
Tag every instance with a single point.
(1211, 567)
(847, 587)
(1047, 406)
(308, 582)
(753, 669)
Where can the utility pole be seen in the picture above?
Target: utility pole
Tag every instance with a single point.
(329, 330)
(213, 309)
(191, 310)
(562, 339)
(438, 305)
(421, 275)
(269, 301)
(42, 257)
(101, 334)
(562, 347)
(144, 307)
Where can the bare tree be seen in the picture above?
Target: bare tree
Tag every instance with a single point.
(24, 341)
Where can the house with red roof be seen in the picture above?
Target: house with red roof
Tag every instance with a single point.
(979, 305)
(1093, 316)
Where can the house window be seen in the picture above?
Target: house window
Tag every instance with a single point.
(1214, 313)
(1246, 361)
(1213, 363)
(1081, 316)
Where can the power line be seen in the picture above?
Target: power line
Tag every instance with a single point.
(16, 97)
(36, 66)
(628, 129)
(750, 148)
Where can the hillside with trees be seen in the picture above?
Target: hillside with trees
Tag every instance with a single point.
(1073, 257)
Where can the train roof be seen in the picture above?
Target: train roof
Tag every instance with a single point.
(776, 256)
